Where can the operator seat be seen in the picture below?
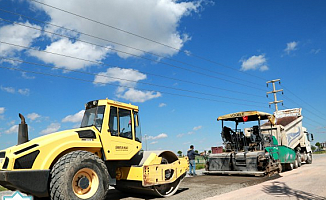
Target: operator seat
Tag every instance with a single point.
(226, 134)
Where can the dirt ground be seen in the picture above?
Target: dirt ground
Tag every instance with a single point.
(200, 187)
(222, 187)
(194, 188)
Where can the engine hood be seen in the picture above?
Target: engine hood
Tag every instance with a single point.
(48, 147)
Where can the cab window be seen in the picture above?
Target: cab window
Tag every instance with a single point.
(93, 117)
(113, 122)
(125, 123)
(137, 127)
(120, 123)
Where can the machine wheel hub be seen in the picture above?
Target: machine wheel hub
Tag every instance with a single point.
(85, 183)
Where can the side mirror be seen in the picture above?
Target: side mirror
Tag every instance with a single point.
(312, 137)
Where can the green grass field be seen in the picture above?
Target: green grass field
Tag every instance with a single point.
(200, 166)
(319, 152)
(200, 162)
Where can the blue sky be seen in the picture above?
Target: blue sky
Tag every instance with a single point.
(223, 53)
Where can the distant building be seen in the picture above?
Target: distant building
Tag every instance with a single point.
(323, 146)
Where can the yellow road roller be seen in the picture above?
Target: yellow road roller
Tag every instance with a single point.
(82, 163)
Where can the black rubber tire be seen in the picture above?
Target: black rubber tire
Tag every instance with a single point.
(289, 166)
(283, 167)
(295, 164)
(169, 189)
(164, 190)
(299, 161)
(309, 159)
(280, 167)
(67, 166)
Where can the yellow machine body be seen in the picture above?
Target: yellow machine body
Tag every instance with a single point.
(152, 172)
(118, 148)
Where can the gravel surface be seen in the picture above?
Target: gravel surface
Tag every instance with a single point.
(194, 187)
(210, 186)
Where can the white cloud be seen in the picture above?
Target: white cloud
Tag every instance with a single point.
(154, 142)
(180, 135)
(33, 116)
(13, 129)
(19, 35)
(53, 127)
(196, 128)
(25, 76)
(8, 89)
(13, 90)
(125, 77)
(138, 96)
(187, 52)
(161, 105)
(2, 110)
(254, 63)
(76, 49)
(155, 19)
(315, 51)
(291, 46)
(160, 136)
(23, 91)
(74, 118)
(11, 123)
(263, 68)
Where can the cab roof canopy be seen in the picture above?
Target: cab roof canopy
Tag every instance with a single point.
(103, 102)
(245, 116)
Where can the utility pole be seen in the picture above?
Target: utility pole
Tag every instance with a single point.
(275, 102)
(146, 141)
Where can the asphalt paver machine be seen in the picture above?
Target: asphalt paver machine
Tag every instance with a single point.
(248, 151)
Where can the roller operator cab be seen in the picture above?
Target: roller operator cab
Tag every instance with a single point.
(81, 163)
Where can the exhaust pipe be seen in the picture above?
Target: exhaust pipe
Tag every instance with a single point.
(22, 130)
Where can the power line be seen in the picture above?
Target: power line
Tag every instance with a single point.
(118, 29)
(79, 79)
(145, 38)
(124, 45)
(188, 53)
(301, 99)
(101, 63)
(304, 109)
(307, 117)
(105, 47)
(174, 88)
(116, 78)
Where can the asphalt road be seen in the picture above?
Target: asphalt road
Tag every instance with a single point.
(306, 182)
(199, 187)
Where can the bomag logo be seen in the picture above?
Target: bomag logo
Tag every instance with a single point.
(121, 148)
